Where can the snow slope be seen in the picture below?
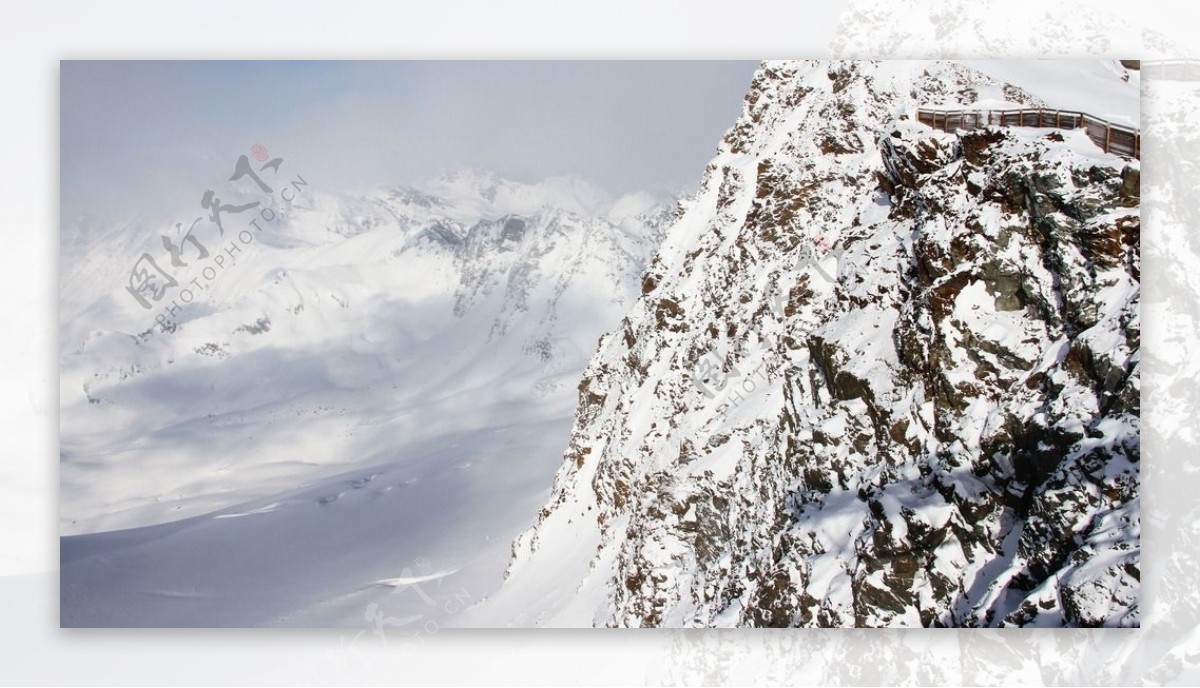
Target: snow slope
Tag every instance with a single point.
(1102, 88)
(380, 380)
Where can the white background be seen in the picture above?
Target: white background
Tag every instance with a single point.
(33, 38)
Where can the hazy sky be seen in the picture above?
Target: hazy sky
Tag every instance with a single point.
(144, 137)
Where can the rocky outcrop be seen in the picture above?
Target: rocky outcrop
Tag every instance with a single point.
(878, 375)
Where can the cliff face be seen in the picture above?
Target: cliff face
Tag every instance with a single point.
(878, 375)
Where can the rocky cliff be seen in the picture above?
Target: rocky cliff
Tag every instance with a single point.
(878, 376)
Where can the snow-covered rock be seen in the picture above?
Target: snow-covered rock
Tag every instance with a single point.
(878, 375)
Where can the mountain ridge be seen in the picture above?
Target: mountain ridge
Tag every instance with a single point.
(414, 287)
(676, 506)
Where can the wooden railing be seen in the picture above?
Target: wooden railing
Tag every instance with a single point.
(1113, 138)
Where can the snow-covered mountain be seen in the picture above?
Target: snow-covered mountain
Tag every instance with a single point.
(878, 375)
(356, 303)
(380, 378)
(873, 375)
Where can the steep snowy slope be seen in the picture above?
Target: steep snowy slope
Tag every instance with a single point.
(379, 380)
(878, 375)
